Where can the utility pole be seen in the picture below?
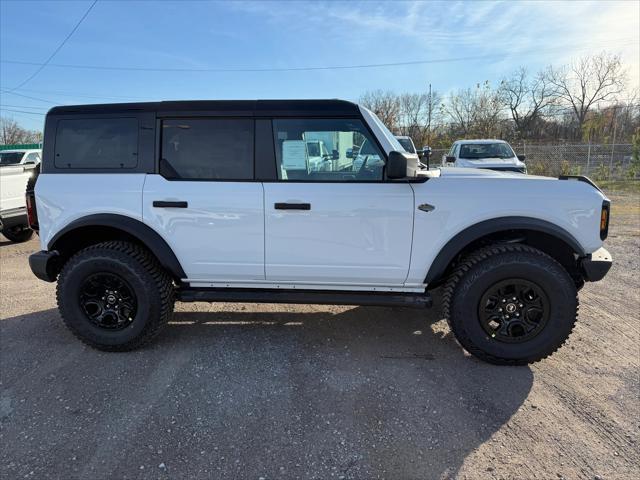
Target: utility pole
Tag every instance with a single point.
(589, 154)
(429, 107)
(613, 142)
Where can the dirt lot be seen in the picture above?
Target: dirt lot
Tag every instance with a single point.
(245, 391)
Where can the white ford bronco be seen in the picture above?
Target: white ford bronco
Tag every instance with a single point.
(139, 205)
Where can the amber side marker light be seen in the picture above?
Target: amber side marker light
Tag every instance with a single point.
(604, 220)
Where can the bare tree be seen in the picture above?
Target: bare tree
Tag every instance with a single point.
(434, 110)
(526, 98)
(412, 115)
(11, 133)
(581, 99)
(487, 118)
(475, 112)
(386, 105)
(460, 108)
(587, 82)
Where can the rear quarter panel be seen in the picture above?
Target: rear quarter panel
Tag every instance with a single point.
(462, 201)
(62, 198)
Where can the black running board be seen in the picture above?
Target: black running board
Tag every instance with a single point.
(319, 297)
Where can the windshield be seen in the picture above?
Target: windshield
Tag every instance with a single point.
(313, 149)
(407, 144)
(10, 158)
(367, 148)
(475, 151)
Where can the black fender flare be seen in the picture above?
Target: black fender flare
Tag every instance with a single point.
(142, 232)
(495, 225)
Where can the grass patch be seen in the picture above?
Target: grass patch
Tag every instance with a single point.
(620, 186)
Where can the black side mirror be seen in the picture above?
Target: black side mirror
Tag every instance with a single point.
(335, 155)
(450, 159)
(521, 157)
(396, 165)
(349, 152)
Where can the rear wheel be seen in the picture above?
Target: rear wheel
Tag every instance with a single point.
(18, 234)
(510, 304)
(115, 296)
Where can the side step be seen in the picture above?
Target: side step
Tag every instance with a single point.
(320, 297)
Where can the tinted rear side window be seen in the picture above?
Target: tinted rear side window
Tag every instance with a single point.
(97, 143)
(10, 158)
(207, 149)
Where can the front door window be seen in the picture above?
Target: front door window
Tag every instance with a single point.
(326, 150)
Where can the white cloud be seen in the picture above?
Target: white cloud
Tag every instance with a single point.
(531, 33)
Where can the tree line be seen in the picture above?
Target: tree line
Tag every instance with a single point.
(11, 133)
(587, 100)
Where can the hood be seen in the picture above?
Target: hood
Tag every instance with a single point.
(489, 162)
(484, 173)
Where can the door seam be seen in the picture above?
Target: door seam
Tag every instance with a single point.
(413, 228)
(264, 232)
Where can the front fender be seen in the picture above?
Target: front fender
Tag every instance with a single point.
(488, 227)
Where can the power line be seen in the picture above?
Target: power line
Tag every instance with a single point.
(300, 69)
(34, 74)
(29, 97)
(82, 95)
(20, 106)
(22, 111)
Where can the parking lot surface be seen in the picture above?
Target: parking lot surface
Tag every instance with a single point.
(283, 391)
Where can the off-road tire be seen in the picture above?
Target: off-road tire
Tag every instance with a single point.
(18, 234)
(475, 274)
(151, 284)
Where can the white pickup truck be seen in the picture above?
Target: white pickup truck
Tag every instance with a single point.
(489, 154)
(14, 223)
(143, 204)
(20, 156)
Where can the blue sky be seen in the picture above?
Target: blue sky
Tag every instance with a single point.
(494, 37)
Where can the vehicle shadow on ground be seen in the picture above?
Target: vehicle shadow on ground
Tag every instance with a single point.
(361, 392)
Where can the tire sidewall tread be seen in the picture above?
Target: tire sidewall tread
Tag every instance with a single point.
(478, 271)
(21, 236)
(152, 285)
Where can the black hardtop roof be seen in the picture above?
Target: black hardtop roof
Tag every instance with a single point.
(240, 107)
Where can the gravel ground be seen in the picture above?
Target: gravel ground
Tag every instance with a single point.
(279, 391)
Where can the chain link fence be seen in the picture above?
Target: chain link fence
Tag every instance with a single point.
(598, 161)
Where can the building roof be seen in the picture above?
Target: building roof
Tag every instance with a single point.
(23, 150)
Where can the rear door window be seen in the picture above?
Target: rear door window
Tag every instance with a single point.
(97, 143)
(207, 149)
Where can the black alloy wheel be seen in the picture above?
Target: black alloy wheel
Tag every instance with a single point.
(108, 301)
(513, 310)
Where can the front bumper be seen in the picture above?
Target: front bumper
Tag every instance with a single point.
(596, 265)
(45, 265)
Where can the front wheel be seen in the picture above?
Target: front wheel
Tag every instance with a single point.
(510, 304)
(115, 296)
